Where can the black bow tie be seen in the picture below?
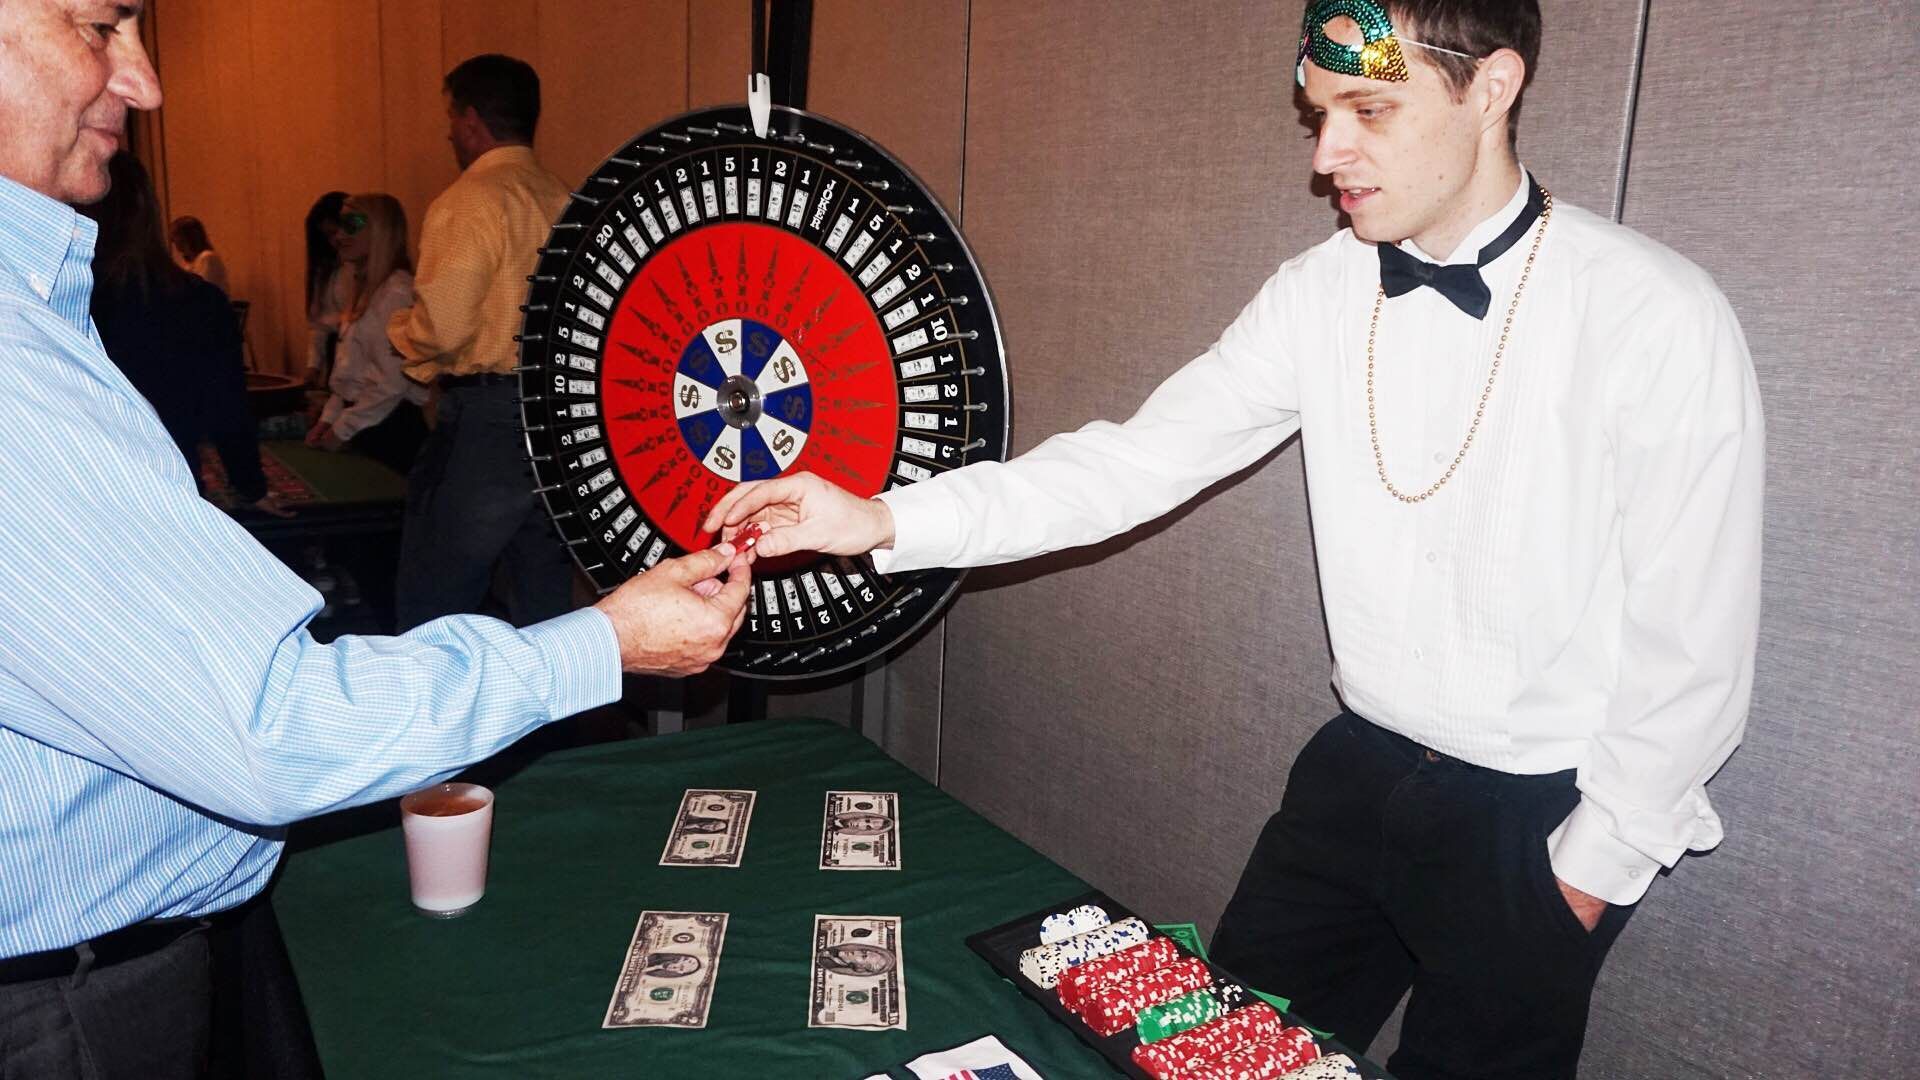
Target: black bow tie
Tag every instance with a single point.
(1459, 282)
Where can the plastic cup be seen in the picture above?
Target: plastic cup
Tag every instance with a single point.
(447, 828)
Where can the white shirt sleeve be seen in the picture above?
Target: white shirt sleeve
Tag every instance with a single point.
(1213, 417)
(1688, 474)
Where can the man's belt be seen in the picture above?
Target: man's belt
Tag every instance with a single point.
(126, 943)
(481, 378)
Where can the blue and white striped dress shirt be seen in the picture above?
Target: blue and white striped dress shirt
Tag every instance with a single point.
(163, 711)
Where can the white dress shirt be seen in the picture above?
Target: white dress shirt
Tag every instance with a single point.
(1582, 594)
(367, 380)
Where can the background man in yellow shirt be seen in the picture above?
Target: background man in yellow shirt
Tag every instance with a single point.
(470, 503)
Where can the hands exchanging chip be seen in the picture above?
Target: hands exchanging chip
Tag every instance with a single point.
(803, 512)
(677, 618)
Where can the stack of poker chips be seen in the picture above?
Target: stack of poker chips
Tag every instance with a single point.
(1139, 959)
(1292, 1049)
(1173, 1058)
(1188, 1012)
(1332, 1067)
(1044, 964)
(1115, 975)
(1114, 1006)
(1055, 929)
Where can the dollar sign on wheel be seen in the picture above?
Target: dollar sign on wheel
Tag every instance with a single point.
(689, 396)
(783, 369)
(783, 442)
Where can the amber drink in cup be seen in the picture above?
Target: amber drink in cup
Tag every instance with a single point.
(447, 828)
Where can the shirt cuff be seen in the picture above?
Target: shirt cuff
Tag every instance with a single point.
(924, 530)
(583, 652)
(1589, 858)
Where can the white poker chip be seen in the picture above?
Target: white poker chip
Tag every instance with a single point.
(1044, 964)
(1057, 928)
(1332, 1067)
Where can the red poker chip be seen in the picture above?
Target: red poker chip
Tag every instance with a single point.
(1139, 959)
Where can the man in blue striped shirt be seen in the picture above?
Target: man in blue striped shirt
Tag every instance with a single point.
(164, 712)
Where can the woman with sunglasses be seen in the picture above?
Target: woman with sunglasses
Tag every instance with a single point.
(374, 407)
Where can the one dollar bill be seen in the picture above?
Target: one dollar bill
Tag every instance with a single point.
(667, 979)
(859, 978)
(861, 831)
(710, 829)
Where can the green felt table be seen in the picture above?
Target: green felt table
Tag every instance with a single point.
(519, 985)
(330, 494)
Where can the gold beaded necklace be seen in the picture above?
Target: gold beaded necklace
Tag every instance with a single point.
(1373, 424)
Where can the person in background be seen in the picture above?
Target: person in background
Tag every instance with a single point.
(470, 501)
(174, 335)
(327, 285)
(195, 252)
(374, 408)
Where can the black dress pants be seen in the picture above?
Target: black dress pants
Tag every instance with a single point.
(1392, 867)
(470, 505)
(142, 1019)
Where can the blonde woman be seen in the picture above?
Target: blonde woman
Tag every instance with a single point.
(374, 407)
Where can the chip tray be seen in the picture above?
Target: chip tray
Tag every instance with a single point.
(1001, 946)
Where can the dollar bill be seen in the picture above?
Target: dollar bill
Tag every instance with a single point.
(667, 979)
(859, 978)
(710, 829)
(861, 831)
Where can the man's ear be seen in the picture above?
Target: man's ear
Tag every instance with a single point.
(1497, 85)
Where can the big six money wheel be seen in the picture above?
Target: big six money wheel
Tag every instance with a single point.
(715, 307)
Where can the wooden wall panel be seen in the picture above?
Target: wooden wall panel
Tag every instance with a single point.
(206, 114)
(316, 96)
(417, 161)
(472, 27)
(717, 36)
(615, 66)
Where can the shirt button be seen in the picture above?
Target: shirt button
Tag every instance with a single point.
(1433, 556)
(1417, 654)
(1439, 457)
(1633, 873)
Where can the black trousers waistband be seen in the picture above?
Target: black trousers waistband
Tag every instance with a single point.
(121, 945)
(1410, 751)
(482, 378)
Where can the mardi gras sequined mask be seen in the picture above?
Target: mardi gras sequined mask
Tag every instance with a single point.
(1378, 55)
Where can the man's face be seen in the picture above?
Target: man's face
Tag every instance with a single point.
(69, 71)
(1401, 153)
(463, 131)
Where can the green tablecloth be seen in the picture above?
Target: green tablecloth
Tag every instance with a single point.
(337, 477)
(518, 986)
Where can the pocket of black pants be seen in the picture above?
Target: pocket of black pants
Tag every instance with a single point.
(1556, 914)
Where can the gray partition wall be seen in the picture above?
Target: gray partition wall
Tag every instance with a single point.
(1781, 159)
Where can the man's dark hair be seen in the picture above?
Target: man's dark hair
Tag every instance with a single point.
(1477, 28)
(504, 91)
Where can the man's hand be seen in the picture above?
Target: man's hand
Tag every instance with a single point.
(318, 434)
(802, 512)
(677, 618)
(1586, 907)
